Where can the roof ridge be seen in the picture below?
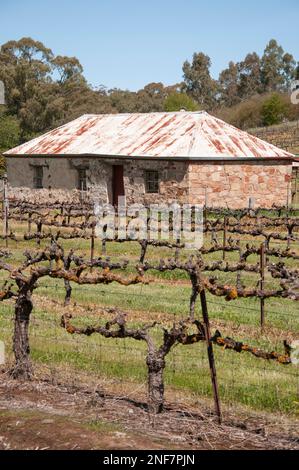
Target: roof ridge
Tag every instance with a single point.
(144, 114)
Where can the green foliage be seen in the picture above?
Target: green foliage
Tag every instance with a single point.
(43, 91)
(198, 82)
(273, 110)
(249, 78)
(151, 98)
(240, 80)
(273, 72)
(250, 113)
(9, 132)
(277, 68)
(228, 84)
(177, 101)
(9, 135)
(245, 114)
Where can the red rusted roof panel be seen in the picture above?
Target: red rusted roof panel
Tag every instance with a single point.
(178, 134)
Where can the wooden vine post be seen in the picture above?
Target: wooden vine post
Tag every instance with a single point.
(262, 283)
(211, 358)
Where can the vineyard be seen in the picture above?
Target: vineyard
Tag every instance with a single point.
(204, 335)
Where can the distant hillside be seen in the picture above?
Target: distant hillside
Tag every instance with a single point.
(285, 135)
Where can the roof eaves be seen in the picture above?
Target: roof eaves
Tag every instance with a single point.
(150, 157)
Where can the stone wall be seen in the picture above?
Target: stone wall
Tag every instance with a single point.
(220, 184)
(173, 182)
(60, 177)
(45, 196)
(231, 184)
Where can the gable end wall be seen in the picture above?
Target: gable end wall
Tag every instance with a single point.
(231, 184)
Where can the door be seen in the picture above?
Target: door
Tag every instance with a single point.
(118, 188)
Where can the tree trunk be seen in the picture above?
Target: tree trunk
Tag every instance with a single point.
(155, 366)
(23, 367)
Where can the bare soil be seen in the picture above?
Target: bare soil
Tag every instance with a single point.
(44, 415)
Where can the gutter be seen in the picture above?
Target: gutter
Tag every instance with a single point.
(155, 158)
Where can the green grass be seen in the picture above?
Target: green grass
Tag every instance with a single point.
(174, 299)
(102, 426)
(243, 379)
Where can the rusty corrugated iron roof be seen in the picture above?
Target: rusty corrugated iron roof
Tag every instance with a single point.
(178, 134)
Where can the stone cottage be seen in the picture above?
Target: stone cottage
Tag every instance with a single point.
(154, 157)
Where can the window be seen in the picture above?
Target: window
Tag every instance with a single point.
(38, 177)
(152, 181)
(82, 179)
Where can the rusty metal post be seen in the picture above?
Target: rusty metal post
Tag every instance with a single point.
(212, 365)
(224, 237)
(262, 282)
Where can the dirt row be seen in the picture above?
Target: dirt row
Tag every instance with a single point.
(61, 415)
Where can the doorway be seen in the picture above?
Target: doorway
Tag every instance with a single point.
(118, 188)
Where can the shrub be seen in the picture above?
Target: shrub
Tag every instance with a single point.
(274, 110)
(177, 101)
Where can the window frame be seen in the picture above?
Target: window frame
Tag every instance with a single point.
(38, 176)
(151, 181)
(82, 179)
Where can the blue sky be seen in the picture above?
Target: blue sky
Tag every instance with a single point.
(130, 43)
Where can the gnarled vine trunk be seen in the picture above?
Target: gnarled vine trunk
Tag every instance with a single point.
(155, 366)
(23, 308)
(68, 292)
